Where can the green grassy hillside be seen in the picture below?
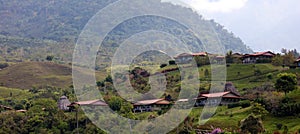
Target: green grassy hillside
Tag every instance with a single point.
(26, 75)
(225, 118)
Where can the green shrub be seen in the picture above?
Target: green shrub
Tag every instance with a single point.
(172, 62)
(163, 65)
(3, 65)
(233, 105)
(245, 103)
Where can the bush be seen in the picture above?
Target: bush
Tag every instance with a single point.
(115, 103)
(163, 65)
(18, 107)
(279, 126)
(233, 105)
(49, 58)
(100, 83)
(245, 103)
(3, 65)
(172, 62)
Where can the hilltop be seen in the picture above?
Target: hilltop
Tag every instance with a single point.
(63, 20)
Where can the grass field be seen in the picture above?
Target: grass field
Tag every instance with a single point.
(13, 93)
(26, 75)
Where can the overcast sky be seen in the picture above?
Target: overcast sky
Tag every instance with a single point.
(261, 24)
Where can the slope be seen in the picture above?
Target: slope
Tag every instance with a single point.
(35, 74)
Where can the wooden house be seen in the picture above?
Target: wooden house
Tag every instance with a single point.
(228, 96)
(188, 57)
(259, 57)
(297, 62)
(90, 103)
(150, 105)
(213, 98)
(5, 108)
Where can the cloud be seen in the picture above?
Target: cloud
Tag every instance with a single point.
(215, 6)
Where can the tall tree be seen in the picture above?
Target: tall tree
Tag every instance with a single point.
(286, 82)
(252, 124)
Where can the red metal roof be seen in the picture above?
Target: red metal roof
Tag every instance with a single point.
(90, 102)
(220, 94)
(191, 54)
(267, 53)
(211, 95)
(199, 54)
(6, 107)
(154, 101)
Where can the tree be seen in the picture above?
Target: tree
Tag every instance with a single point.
(163, 65)
(115, 103)
(277, 60)
(3, 65)
(206, 73)
(202, 60)
(288, 59)
(229, 58)
(49, 58)
(286, 82)
(251, 124)
(258, 110)
(109, 79)
(172, 62)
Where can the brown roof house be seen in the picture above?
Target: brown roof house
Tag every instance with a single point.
(188, 57)
(259, 57)
(96, 102)
(297, 62)
(229, 96)
(5, 108)
(150, 105)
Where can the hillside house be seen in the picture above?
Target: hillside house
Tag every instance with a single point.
(230, 95)
(212, 98)
(188, 57)
(259, 57)
(219, 59)
(90, 103)
(297, 62)
(2, 107)
(150, 105)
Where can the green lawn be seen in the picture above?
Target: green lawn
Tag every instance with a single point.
(228, 119)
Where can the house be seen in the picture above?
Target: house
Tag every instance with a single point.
(150, 105)
(5, 108)
(21, 111)
(297, 62)
(213, 98)
(219, 59)
(259, 57)
(91, 103)
(188, 57)
(63, 103)
(229, 95)
(237, 57)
